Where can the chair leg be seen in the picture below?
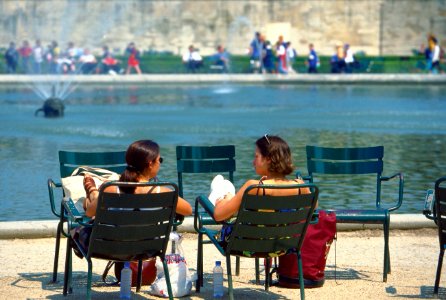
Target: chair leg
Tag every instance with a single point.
(440, 264)
(301, 276)
(90, 275)
(267, 269)
(386, 250)
(56, 251)
(67, 288)
(139, 278)
(257, 270)
(199, 282)
(166, 274)
(237, 266)
(230, 288)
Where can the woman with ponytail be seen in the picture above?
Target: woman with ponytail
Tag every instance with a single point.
(143, 163)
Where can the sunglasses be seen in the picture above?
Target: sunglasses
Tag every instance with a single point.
(161, 160)
(267, 139)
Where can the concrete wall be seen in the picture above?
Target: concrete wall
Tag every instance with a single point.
(374, 26)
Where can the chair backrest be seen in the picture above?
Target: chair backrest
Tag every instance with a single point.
(440, 207)
(205, 159)
(269, 224)
(130, 227)
(347, 161)
(69, 161)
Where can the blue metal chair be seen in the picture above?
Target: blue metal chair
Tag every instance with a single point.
(127, 227)
(204, 159)
(354, 162)
(68, 162)
(265, 225)
(435, 209)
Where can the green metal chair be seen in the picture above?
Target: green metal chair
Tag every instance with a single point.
(69, 161)
(127, 227)
(435, 209)
(355, 162)
(204, 159)
(265, 225)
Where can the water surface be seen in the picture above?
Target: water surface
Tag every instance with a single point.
(409, 121)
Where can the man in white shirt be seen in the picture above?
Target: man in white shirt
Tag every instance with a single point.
(192, 59)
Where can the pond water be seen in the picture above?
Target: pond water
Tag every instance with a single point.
(409, 121)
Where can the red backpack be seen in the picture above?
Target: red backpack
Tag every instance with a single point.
(314, 252)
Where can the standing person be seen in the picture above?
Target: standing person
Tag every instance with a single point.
(52, 56)
(268, 58)
(25, 55)
(291, 56)
(143, 164)
(435, 55)
(340, 55)
(256, 53)
(12, 58)
(313, 60)
(349, 58)
(281, 56)
(272, 162)
(133, 58)
(37, 57)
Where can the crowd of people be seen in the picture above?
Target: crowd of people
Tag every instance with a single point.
(280, 57)
(264, 57)
(36, 59)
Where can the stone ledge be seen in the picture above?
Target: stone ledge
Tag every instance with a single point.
(300, 78)
(47, 228)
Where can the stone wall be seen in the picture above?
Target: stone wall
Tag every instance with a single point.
(387, 27)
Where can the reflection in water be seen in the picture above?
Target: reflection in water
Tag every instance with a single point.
(408, 120)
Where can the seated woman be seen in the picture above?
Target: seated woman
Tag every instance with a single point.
(273, 162)
(143, 163)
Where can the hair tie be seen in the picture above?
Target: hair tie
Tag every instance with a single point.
(132, 168)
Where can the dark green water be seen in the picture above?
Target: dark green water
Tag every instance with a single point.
(408, 120)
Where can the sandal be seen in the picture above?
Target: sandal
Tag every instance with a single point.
(89, 186)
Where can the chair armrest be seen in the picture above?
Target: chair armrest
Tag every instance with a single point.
(315, 217)
(52, 186)
(428, 208)
(73, 213)
(305, 178)
(208, 207)
(400, 188)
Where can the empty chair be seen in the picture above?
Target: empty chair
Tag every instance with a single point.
(349, 162)
(200, 160)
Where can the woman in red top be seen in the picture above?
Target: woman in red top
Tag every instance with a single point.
(133, 60)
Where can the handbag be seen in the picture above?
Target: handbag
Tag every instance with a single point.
(73, 186)
(314, 253)
(148, 272)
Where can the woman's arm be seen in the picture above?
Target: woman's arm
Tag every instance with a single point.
(183, 207)
(91, 203)
(227, 207)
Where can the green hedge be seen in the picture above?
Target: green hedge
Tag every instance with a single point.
(154, 63)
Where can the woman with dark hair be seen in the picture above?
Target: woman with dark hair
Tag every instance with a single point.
(273, 162)
(143, 163)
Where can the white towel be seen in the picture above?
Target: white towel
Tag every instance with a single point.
(220, 187)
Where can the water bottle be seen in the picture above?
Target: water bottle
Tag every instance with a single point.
(126, 281)
(218, 280)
